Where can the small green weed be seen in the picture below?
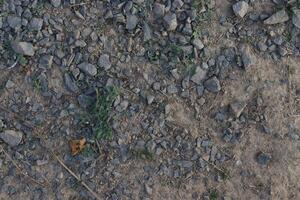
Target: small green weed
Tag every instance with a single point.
(225, 174)
(37, 86)
(213, 195)
(22, 60)
(99, 113)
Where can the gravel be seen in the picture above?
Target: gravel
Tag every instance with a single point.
(170, 21)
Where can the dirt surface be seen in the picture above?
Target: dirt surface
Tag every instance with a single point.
(155, 126)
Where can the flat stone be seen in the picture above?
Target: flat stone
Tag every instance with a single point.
(277, 18)
(104, 61)
(24, 48)
(240, 8)
(212, 85)
(296, 18)
(14, 22)
(147, 32)
(11, 137)
(88, 68)
(199, 75)
(131, 22)
(172, 89)
(170, 21)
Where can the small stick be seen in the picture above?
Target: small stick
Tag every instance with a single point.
(75, 176)
(20, 170)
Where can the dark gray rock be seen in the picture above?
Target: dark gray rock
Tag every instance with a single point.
(11, 137)
(277, 18)
(212, 85)
(172, 89)
(70, 83)
(46, 61)
(263, 158)
(240, 8)
(88, 68)
(147, 32)
(24, 48)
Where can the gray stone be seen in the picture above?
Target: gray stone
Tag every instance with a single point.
(296, 18)
(200, 90)
(199, 75)
(46, 61)
(11, 137)
(9, 84)
(56, 3)
(70, 83)
(198, 43)
(85, 101)
(147, 32)
(131, 22)
(263, 158)
(237, 107)
(177, 4)
(277, 18)
(88, 68)
(170, 21)
(172, 89)
(247, 59)
(150, 99)
(240, 8)
(24, 48)
(104, 61)
(36, 24)
(212, 85)
(158, 10)
(14, 22)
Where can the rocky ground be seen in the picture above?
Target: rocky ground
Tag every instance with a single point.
(150, 99)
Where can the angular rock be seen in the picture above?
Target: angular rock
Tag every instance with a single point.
(147, 32)
(177, 4)
(237, 107)
(24, 48)
(36, 24)
(131, 22)
(88, 68)
(170, 21)
(277, 18)
(240, 8)
(70, 83)
(56, 3)
(104, 61)
(158, 10)
(199, 75)
(11, 137)
(212, 85)
(296, 18)
(197, 43)
(46, 61)
(14, 22)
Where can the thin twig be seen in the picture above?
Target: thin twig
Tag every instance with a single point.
(21, 171)
(75, 176)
